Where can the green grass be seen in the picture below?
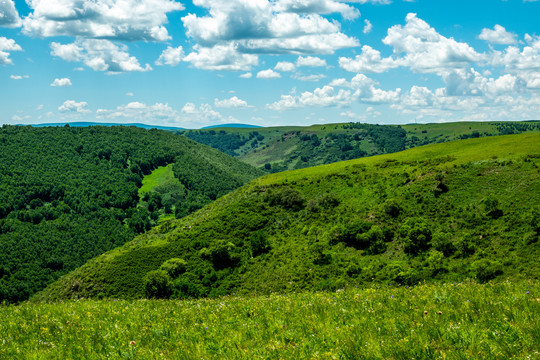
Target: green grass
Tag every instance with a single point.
(162, 177)
(427, 321)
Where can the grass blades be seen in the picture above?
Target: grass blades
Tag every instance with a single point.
(428, 321)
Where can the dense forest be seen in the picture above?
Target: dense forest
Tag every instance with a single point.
(464, 209)
(69, 194)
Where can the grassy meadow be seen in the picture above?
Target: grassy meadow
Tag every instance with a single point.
(430, 320)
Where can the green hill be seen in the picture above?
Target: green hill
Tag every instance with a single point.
(277, 149)
(462, 209)
(68, 194)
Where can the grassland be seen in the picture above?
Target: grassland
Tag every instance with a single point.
(430, 320)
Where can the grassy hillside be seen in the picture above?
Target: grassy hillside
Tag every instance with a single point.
(427, 321)
(69, 194)
(276, 149)
(449, 211)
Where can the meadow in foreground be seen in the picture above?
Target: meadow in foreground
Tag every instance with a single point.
(381, 321)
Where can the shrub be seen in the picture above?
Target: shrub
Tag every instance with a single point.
(486, 270)
(158, 285)
(287, 197)
(259, 243)
(416, 235)
(183, 289)
(174, 267)
(392, 208)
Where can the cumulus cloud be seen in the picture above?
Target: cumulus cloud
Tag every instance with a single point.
(317, 6)
(156, 113)
(424, 50)
(312, 61)
(268, 74)
(524, 63)
(171, 56)
(311, 77)
(367, 26)
(18, 77)
(128, 20)
(221, 57)
(6, 47)
(247, 75)
(233, 102)
(369, 61)
(61, 82)
(9, 17)
(71, 106)
(326, 96)
(498, 35)
(99, 55)
(285, 66)
(268, 27)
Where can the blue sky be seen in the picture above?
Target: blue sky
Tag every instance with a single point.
(281, 62)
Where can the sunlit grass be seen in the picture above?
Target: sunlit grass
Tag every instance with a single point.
(428, 321)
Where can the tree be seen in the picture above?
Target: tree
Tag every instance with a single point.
(158, 285)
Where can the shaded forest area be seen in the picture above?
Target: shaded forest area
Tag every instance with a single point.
(69, 194)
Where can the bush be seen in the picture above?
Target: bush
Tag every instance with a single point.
(174, 267)
(158, 285)
(416, 235)
(486, 270)
(184, 289)
(259, 243)
(287, 197)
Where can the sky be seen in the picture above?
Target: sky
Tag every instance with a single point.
(197, 63)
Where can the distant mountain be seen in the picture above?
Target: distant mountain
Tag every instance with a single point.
(86, 124)
(241, 126)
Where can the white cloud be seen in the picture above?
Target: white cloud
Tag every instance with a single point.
(171, 56)
(9, 17)
(368, 26)
(268, 74)
(312, 77)
(99, 55)
(6, 47)
(129, 94)
(524, 63)
(317, 6)
(425, 50)
(18, 77)
(312, 61)
(101, 19)
(71, 106)
(61, 82)
(369, 61)
(326, 96)
(204, 114)
(498, 35)
(268, 27)
(285, 66)
(247, 75)
(221, 57)
(156, 113)
(233, 102)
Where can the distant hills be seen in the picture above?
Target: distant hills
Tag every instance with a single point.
(443, 212)
(275, 149)
(139, 125)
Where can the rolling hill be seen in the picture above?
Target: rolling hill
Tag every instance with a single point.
(462, 209)
(68, 194)
(277, 149)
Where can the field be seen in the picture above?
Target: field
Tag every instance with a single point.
(427, 321)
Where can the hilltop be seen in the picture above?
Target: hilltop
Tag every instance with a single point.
(275, 149)
(68, 194)
(463, 209)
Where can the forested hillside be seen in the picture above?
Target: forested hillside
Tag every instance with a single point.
(464, 209)
(69, 194)
(277, 149)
